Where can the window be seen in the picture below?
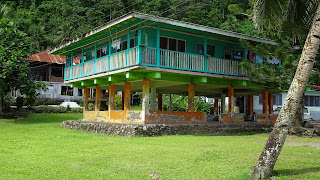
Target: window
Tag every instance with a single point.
(80, 92)
(68, 61)
(103, 51)
(260, 99)
(311, 101)
(66, 91)
(233, 53)
(123, 45)
(163, 43)
(200, 49)
(306, 100)
(251, 56)
(277, 99)
(172, 44)
(132, 42)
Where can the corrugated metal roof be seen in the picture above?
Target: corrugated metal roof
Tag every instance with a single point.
(50, 58)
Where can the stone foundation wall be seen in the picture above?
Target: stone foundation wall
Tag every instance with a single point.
(162, 129)
(172, 117)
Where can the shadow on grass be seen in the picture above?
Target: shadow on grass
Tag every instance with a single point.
(290, 172)
(47, 118)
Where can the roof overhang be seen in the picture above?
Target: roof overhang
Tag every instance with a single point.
(132, 16)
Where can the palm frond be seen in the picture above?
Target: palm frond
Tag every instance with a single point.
(292, 17)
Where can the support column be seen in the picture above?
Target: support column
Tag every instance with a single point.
(270, 100)
(159, 102)
(216, 107)
(191, 94)
(145, 99)
(153, 99)
(86, 99)
(250, 105)
(231, 101)
(127, 91)
(223, 103)
(98, 98)
(265, 101)
(111, 97)
(122, 99)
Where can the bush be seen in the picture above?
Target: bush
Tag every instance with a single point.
(118, 102)
(19, 102)
(58, 109)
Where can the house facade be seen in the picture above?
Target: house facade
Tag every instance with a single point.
(49, 69)
(311, 101)
(155, 56)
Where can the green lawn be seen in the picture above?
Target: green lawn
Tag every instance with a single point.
(39, 148)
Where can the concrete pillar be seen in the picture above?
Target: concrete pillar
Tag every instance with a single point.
(250, 105)
(231, 100)
(98, 98)
(122, 99)
(111, 97)
(216, 107)
(86, 99)
(223, 103)
(159, 102)
(145, 99)
(127, 96)
(265, 101)
(191, 94)
(245, 103)
(153, 99)
(270, 102)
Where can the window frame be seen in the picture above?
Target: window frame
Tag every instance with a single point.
(177, 39)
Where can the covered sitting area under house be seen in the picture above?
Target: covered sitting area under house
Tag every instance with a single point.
(156, 56)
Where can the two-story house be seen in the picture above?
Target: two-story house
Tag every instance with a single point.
(155, 55)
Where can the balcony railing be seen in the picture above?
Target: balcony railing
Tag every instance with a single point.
(157, 58)
(191, 62)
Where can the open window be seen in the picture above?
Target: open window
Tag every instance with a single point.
(233, 54)
(172, 44)
(200, 49)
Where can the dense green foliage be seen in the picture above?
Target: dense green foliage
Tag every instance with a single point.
(15, 49)
(180, 103)
(39, 148)
(50, 23)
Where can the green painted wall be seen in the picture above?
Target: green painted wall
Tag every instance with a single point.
(191, 41)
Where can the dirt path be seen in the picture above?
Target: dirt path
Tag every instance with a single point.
(310, 144)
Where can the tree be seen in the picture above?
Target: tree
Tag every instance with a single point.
(15, 48)
(298, 16)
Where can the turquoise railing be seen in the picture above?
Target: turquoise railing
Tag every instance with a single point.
(103, 64)
(148, 57)
(191, 62)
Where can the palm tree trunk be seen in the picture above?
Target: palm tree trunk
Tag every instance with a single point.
(299, 117)
(277, 137)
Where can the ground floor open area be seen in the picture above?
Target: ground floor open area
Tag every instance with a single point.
(37, 147)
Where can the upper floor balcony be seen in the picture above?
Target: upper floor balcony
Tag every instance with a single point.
(147, 41)
(155, 57)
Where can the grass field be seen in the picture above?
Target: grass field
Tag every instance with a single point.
(39, 148)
